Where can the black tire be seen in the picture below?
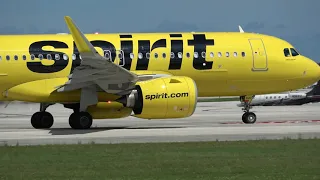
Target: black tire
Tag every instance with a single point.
(249, 118)
(42, 120)
(80, 120)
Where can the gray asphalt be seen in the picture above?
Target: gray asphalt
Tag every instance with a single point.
(217, 121)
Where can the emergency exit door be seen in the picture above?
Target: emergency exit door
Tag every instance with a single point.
(260, 60)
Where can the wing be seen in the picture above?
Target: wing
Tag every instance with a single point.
(96, 70)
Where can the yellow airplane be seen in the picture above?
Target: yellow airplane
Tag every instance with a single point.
(146, 75)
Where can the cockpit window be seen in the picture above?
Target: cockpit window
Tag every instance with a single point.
(294, 52)
(286, 52)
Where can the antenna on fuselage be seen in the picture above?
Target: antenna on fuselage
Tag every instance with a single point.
(240, 29)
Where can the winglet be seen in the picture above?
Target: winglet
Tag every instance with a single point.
(80, 40)
(240, 29)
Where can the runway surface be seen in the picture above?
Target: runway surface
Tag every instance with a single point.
(211, 121)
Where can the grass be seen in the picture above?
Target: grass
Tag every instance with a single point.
(219, 99)
(263, 160)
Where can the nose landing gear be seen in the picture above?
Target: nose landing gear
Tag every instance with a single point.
(248, 117)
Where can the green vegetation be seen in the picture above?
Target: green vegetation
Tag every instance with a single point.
(263, 159)
(219, 99)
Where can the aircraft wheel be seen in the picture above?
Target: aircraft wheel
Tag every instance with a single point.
(80, 120)
(249, 118)
(42, 120)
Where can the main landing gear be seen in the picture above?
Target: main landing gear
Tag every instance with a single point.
(42, 119)
(248, 117)
(79, 119)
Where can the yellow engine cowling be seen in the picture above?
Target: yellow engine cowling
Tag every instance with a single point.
(109, 110)
(162, 98)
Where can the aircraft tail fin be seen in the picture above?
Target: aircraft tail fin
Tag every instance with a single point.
(240, 29)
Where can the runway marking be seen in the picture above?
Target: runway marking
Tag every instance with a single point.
(277, 122)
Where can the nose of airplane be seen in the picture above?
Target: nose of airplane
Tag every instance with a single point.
(312, 71)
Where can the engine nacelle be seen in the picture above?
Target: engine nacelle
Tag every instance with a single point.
(106, 110)
(162, 98)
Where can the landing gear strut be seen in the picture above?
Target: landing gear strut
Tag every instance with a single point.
(42, 119)
(80, 119)
(248, 117)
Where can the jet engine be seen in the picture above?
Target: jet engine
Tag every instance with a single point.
(162, 98)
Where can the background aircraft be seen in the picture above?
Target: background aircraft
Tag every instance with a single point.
(298, 97)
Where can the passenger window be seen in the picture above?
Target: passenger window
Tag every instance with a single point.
(57, 56)
(172, 55)
(196, 55)
(164, 55)
(65, 57)
(156, 55)
(180, 55)
(148, 55)
(32, 57)
(24, 57)
(107, 55)
(286, 52)
(40, 56)
(49, 57)
(188, 55)
(227, 54)
(243, 54)
(219, 54)
(235, 54)
(131, 55)
(15, 57)
(140, 55)
(211, 54)
(294, 52)
(203, 54)
(8, 57)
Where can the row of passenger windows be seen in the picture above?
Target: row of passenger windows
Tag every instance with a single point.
(286, 52)
(132, 55)
(275, 97)
(188, 55)
(32, 57)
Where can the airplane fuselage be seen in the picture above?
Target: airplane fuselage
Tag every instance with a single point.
(277, 99)
(221, 64)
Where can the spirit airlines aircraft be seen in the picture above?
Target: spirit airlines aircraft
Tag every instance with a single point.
(146, 75)
(290, 98)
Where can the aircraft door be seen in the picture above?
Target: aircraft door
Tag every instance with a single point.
(260, 60)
